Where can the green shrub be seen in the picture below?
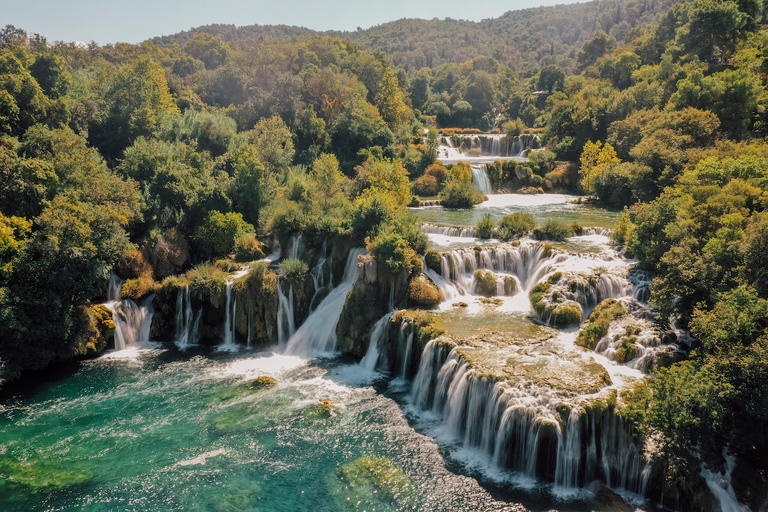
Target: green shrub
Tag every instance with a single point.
(438, 171)
(576, 228)
(207, 282)
(295, 271)
(248, 248)
(516, 225)
(218, 233)
(460, 194)
(425, 186)
(485, 226)
(554, 230)
(138, 288)
(628, 350)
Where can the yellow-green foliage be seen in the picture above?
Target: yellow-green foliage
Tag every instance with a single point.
(138, 288)
(422, 292)
(206, 282)
(566, 314)
(599, 322)
(248, 248)
(95, 328)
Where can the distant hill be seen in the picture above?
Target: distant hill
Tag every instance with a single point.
(519, 39)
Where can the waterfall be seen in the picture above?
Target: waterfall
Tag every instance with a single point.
(720, 485)
(132, 321)
(487, 147)
(228, 341)
(480, 178)
(379, 338)
(187, 322)
(455, 231)
(519, 427)
(286, 324)
(318, 333)
(408, 346)
(321, 275)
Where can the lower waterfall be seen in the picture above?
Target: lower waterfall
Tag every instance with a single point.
(317, 335)
(132, 321)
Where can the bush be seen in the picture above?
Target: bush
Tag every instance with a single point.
(295, 271)
(426, 186)
(219, 231)
(460, 194)
(139, 288)
(423, 293)
(207, 283)
(438, 171)
(248, 248)
(554, 230)
(516, 225)
(485, 226)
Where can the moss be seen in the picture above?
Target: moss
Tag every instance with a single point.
(325, 407)
(227, 265)
(599, 322)
(510, 285)
(485, 283)
(207, 283)
(567, 314)
(422, 292)
(379, 476)
(432, 260)
(263, 382)
(42, 473)
(628, 350)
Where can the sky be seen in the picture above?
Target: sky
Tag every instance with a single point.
(133, 21)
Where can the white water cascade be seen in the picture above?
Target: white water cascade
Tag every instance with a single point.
(187, 321)
(286, 323)
(132, 321)
(379, 335)
(485, 147)
(720, 485)
(480, 178)
(520, 428)
(228, 341)
(317, 335)
(446, 230)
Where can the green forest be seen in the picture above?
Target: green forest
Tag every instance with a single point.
(188, 151)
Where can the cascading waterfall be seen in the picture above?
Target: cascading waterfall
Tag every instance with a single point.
(518, 427)
(132, 321)
(317, 335)
(488, 145)
(480, 178)
(455, 231)
(286, 323)
(228, 341)
(406, 326)
(379, 335)
(187, 322)
(321, 276)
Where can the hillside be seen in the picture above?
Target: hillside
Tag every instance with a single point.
(519, 39)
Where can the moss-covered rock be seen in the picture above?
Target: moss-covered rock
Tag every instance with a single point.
(137, 289)
(432, 260)
(262, 382)
(599, 322)
(95, 328)
(628, 350)
(422, 292)
(485, 283)
(566, 314)
(42, 473)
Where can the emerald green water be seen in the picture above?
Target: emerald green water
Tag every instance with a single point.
(159, 430)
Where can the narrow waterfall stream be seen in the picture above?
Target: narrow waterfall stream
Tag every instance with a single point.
(132, 321)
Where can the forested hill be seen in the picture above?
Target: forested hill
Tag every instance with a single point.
(519, 39)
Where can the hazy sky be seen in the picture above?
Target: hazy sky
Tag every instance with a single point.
(132, 21)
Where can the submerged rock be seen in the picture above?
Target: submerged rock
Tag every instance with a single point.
(263, 382)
